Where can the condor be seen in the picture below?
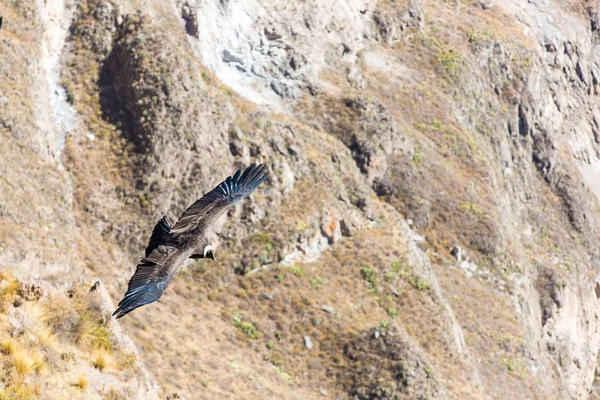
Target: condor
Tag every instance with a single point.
(170, 246)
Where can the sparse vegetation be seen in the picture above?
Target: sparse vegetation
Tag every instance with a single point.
(247, 328)
(418, 155)
(371, 277)
(34, 348)
(81, 383)
(45, 336)
(8, 345)
(38, 360)
(22, 362)
(420, 284)
(18, 391)
(89, 330)
(470, 208)
(383, 326)
(450, 61)
(9, 286)
(316, 283)
(405, 272)
(517, 368)
(296, 270)
(125, 360)
(392, 312)
(101, 359)
(26, 362)
(113, 395)
(476, 36)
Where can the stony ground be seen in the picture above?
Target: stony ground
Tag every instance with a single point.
(428, 229)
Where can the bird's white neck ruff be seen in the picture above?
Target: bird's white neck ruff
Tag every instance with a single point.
(208, 249)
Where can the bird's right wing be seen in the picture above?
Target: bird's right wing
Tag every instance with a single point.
(204, 212)
(150, 280)
(160, 235)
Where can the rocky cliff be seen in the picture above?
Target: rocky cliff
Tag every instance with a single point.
(429, 228)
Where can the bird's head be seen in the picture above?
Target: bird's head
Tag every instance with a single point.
(209, 252)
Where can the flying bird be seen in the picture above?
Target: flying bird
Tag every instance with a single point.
(170, 246)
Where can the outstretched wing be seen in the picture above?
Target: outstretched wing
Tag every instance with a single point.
(160, 235)
(152, 275)
(205, 211)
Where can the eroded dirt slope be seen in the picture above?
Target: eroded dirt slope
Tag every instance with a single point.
(429, 228)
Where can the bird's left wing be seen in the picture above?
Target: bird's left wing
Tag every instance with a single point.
(150, 280)
(200, 216)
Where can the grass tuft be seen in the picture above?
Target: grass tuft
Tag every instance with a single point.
(9, 286)
(89, 330)
(420, 285)
(8, 346)
(112, 395)
(45, 336)
(296, 270)
(101, 359)
(125, 360)
(23, 362)
(316, 283)
(371, 277)
(35, 317)
(247, 328)
(18, 392)
(38, 359)
(82, 383)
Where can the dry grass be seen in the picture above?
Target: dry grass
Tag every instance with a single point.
(298, 307)
(26, 362)
(112, 395)
(35, 312)
(9, 286)
(40, 340)
(101, 359)
(37, 345)
(81, 383)
(125, 360)
(46, 337)
(38, 359)
(8, 346)
(33, 317)
(18, 392)
(91, 332)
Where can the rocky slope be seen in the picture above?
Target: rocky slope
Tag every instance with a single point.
(429, 228)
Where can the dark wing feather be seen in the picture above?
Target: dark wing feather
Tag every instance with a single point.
(205, 211)
(150, 280)
(160, 235)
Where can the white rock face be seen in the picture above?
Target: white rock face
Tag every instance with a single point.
(56, 117)
(269, 50)
(559, 93)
